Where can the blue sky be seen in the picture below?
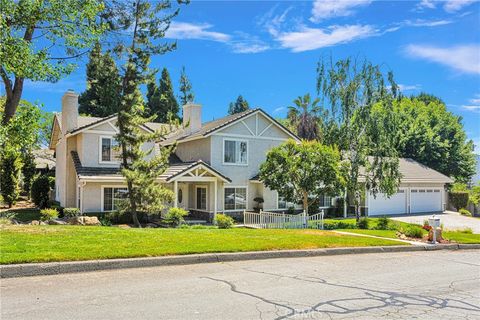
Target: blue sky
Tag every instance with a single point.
(267, 51)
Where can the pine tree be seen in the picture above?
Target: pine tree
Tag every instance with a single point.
(168, 104)
(186, 95)
(238, 106)
(141, 172)
(102, 97)
(10, 166)
(28, 170)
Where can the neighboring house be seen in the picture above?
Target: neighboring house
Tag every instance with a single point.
(44, 160)
(214, 168)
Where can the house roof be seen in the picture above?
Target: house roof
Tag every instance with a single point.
(212, 126)
(44, 158)
(176, 168)
(412, 172)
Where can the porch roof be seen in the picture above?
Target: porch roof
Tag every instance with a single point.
(176, 170)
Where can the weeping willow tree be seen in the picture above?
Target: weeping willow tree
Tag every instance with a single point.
(350, 93)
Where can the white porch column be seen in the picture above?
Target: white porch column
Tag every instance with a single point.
(345, 205)
(175, 194)
(214, 199)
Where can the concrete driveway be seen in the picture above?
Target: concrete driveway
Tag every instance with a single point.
(410, 285)
(451, 220)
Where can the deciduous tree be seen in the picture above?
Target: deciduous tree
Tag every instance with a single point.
(302, 172)
(39, 40)
(351, 89)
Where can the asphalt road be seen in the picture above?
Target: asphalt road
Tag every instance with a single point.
(414, 285)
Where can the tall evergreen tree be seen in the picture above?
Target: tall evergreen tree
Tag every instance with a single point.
(238, 106)
(161, 100)
(102, 97)
(148, 23)
(28, 170)
(186, 95)
(10, 166)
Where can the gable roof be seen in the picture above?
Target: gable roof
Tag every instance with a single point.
(215, 125)
(413, 171)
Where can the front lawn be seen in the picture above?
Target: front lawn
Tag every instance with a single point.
(461, 237)
(23, 244)
(378, 233)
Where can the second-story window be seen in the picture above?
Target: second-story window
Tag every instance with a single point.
(109, 149)
(235, 152)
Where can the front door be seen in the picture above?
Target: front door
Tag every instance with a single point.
(201, 198)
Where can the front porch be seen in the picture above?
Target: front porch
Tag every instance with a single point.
(195, 187)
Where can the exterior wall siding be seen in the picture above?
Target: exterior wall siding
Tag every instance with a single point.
(194, 150)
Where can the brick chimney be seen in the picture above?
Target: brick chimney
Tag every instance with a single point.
(192, 117)
(69, 111)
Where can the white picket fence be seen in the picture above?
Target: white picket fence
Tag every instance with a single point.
(272, 220)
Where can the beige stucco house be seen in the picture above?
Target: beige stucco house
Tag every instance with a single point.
(214, 168)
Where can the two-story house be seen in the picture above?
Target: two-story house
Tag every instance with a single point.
(214, 168)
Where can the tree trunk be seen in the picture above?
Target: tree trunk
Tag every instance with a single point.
(305, 202)
(12, 100)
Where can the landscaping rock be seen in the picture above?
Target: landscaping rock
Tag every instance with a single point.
(439, 237)
(151, 225)
(42, 223)
(35, 223)
(56, 222)
(84, 221)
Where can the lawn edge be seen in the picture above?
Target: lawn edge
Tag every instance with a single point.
(53, 268)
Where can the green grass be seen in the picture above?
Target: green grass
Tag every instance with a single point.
(378, 233)
(23, 244)
(461, 237)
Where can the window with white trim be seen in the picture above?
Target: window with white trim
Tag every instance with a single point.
(109, 149)
(283, 204)
(235, 198)
(235, 151)
(112, 197)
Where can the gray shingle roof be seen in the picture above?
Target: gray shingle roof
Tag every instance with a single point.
(176, 168)
(413, 171)
(206, 128)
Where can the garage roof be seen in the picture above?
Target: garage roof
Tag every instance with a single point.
(413, 171)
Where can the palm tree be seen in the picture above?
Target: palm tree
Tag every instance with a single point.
(304, 117)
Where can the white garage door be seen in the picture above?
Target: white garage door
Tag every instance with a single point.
(425, 200)
(382, 205)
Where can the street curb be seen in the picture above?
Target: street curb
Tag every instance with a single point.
(52, 268)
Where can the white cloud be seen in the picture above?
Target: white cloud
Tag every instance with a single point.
(406, 87)
(249, 47)
(464, 58)
(305, 39)
(279, 110)
(324, 9)
(429, 4)
(427, 23)
(473, 108)
(456, 5)
(186, 30)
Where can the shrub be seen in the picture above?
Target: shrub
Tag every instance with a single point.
(9, 171)
(48, 214)
(175, 216)
(223, 221)
(40, 191)
(413, 232)
(363, 223)
(71, 212)
(105, 221)
(459, 199)
(426, 226)
(383, 223)
(338, 224)
(464, 212)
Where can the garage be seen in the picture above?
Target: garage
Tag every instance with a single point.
(425, 200)
(383, 205)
